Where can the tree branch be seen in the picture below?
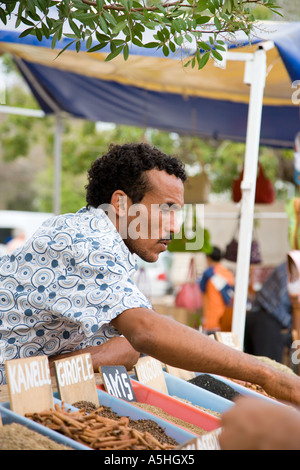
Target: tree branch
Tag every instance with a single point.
(118, 7)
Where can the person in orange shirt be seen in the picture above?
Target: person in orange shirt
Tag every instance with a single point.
(217, 285)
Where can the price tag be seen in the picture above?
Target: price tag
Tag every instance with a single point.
(181, 373)
(149, 372)
(209, 441)
(29, 384)
(228, 338)
(76, 380)
(117, 382)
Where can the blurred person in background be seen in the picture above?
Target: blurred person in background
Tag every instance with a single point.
(17, 240)
(217, 285)
(269, 322)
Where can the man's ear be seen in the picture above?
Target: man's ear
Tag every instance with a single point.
(119, 202)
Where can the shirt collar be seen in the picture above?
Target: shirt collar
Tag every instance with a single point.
(129, 257)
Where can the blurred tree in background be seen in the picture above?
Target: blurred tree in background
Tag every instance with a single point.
(26, 150)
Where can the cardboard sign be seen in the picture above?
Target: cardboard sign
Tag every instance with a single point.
(76, 380)
(149, 372)
(209, 441)
(228, 338)
(29, 384)
(181, 373)
(117, 382)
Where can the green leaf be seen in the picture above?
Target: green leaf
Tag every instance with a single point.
(176, 25)
(109, 18)
(188, 38)
(188, 63)
(220, 48)
(98, 47)
(3, 16)
(201, 5)
(217, 23)
(119, 27)
(165, 50)
(178, 40)
(100, 4)
(89, 42)
(39, 34)
(103, 24)
(216, 55)
(26, 32)
(74, 27)
(203, 60)
(102, 37)
(151, 25)
(66, 47)
(160, 36)
(204, 46)
(172, 46)
(150, 45)
(137, 42)
(26, 21)
(78, 46)
(202, 19)
(114, 54)
(126, 52)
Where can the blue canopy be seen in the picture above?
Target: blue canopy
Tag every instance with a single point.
(150, 90)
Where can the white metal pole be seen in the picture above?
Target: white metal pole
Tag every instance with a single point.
(57, 164)
(248, 186)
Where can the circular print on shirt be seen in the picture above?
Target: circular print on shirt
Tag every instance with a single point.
(7, 301)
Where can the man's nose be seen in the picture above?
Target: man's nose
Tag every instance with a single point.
(174, 226)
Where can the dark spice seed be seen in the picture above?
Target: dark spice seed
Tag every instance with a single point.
(215, 386)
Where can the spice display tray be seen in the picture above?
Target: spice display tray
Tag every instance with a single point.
(8, 416)
(182, 389)
(173, 406)
(123, 408)
(241, 389)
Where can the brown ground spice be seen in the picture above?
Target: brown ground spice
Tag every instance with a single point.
(15, 436)
(164, 415)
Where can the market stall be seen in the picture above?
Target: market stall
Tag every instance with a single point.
(251, 99)
(113, 410)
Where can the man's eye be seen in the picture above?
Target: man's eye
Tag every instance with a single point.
(164, 208)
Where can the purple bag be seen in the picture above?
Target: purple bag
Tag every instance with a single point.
(232, 250)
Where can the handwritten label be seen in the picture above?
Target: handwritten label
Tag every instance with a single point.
(209, 441)
(181, 373)
(76, 380)
(29, 384)
(149, 372)
(228, 338)
(117, 382)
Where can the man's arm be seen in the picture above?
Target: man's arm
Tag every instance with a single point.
(116, 351)
(180, 346)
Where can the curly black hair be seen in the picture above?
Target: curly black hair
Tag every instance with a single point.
(123, 168)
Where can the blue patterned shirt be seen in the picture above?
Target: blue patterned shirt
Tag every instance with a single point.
(59, 292)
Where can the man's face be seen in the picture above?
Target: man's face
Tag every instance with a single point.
(151, 223)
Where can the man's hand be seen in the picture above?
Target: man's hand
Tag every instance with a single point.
(256, 424)
(283, 386)
(117, 351)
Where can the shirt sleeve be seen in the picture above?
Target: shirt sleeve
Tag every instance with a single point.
(95, 291)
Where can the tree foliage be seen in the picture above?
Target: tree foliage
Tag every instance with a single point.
(95, 24)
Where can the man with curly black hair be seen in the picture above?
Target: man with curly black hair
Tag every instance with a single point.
(69, 289)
